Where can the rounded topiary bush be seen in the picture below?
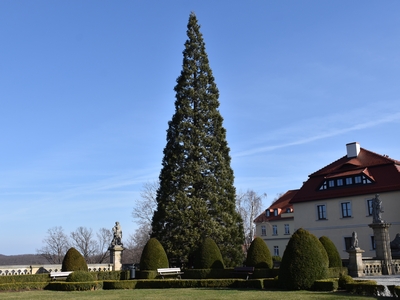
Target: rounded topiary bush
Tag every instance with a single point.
(304, 261)
(73, 261)
(79, 276)
(208, 256)
(258, 255)
(331, 250)
(153, 256)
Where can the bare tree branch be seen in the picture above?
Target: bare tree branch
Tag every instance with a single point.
(104, 237)
(249, 206)
(144, 208)
(82, 240)
(56, 245)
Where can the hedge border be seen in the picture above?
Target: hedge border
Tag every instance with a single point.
(74, 286)
(196, 283)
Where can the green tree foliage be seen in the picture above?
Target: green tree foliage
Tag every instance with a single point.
(74, 261)
(258, 255)
(208, 256)
(304, 261)
(153, 256)
(196, 197)
(331, 250)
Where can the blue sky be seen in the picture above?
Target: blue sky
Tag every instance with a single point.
(86, 93)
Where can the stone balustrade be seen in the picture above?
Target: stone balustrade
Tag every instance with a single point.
(373, 267)
(39, 269)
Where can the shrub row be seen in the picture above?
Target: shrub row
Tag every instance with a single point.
(25, 278)
(111, 275)
(74, 286)
(326, 285)
(365, 288)
(207, 274)
(23, 286)
(197, 283)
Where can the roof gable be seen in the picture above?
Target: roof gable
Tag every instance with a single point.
(281, 204)
(382, 172)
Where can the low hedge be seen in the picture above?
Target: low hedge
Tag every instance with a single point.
(326, 285)
(207, 273)
(25, 278)
(270, 283)
(74, 286)
(222, 274)
(110, 275)
(394, 290)
(365, 288)
(23, 286)
(196, 283)
(148, 274)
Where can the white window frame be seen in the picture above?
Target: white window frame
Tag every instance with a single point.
(321, 215)
(287, 228)
(276, 250)
(263, 230)
(274, 229)
(369, 207)
(346, 209)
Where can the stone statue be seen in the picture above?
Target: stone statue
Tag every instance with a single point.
(354, 241)
(117, 232)
(377, 209)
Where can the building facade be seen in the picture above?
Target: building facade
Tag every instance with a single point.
(276, 224)
(336, 200)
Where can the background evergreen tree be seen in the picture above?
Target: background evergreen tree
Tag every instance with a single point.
(196, 197)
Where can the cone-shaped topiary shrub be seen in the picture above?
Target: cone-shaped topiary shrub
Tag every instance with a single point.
(331, 250)
(304, 261)
(258, 255)
(208, 256)
(73, 261)
(153, 256)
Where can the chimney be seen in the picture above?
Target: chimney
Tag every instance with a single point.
(352, 149)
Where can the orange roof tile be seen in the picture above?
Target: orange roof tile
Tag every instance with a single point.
(384, 171)
(282, 204)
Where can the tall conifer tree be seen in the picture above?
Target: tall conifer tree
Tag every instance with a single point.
(196, 197)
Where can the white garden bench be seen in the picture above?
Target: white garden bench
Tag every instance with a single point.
(56, 275)
(169, 271)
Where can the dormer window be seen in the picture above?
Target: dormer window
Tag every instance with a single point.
(275, 212)
(288, 210)
(345, 181)
(268, 212)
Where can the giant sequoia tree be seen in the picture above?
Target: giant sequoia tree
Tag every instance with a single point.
(196, 197)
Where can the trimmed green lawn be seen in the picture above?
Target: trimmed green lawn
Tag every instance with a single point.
(200, 294)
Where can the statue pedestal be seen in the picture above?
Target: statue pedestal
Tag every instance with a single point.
(382, 243)
(116, 257)
(356, 266)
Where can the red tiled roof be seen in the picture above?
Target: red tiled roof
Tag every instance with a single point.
(283, 203)
(384, 171)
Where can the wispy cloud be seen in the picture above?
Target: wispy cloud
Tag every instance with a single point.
(322, 128)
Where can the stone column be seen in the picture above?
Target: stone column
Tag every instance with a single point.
(116, 257)
(356, 266)
(382, 243)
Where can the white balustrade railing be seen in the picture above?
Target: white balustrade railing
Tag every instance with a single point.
(38, 269)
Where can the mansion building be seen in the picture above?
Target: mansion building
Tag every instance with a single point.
(335, 201)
